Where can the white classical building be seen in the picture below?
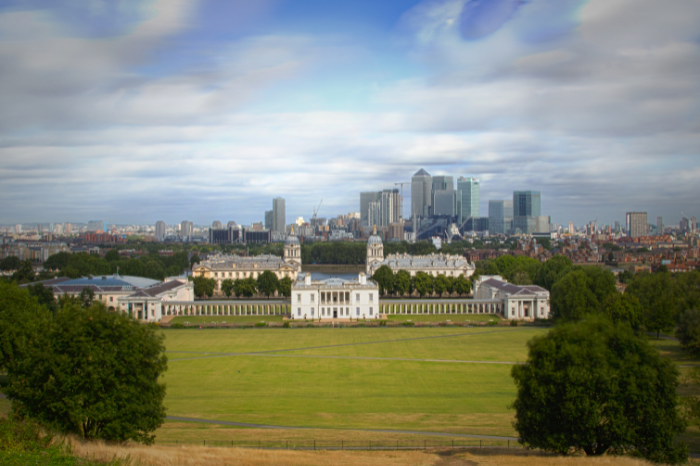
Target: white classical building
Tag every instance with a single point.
(227, 266)
(335, 298)
(433, 264)
(519, 302)
(149, 304)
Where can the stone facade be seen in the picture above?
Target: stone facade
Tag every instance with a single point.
(519, 302)
(335, 299)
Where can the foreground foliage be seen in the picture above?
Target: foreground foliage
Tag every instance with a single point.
(596, 387)
(84, 371)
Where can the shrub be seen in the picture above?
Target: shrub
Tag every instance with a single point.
(177, 325)
(286, 324)
(310, 326)
(492, 323)
(408, 324)
(382, 323)
(261, 324)
(513, 323)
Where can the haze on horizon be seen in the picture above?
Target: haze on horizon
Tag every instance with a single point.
(134, 111)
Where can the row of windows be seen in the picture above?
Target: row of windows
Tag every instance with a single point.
(323, 300)
(243, 274)
(327, 312)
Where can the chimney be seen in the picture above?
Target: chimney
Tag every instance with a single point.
(307, 279)
(362, 279)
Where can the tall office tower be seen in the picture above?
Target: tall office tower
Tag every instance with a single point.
(374, 213)
(421, 189)
(693, 224)
(527, 205)
(443, 197)
(216, 224)
(269, 215)
(97, 225)
(387, 203)
(636, 224)
(279, 214)
(160, 230)
(659, 226)
(186, 229)
(571, 228)
(18, 228)
(469, 198)
(365, 199)
(500, 217)
(58, 229)
(67, 228)
(617, 226)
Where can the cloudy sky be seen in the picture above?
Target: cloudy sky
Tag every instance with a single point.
(135, 111)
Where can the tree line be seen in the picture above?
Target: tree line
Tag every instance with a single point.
(402, 283)
(266, 284)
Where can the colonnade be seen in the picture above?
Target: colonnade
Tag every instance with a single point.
(198, 308)
(418, 307)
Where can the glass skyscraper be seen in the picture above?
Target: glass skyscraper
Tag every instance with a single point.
(469, 198)
(527, 206)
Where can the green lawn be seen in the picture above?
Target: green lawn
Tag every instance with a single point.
(225, 319)
(345, 393)
(444, 317)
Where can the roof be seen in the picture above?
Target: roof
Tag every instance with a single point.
(47, 283)
(291, 239)
(334, 282)
(105, 283)
(514, 289)
(422, 172)
(160, 288)
(261, 262)
(406, 261)
(374, 239)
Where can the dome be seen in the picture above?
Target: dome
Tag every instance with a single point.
(292, 240)
(374, 240)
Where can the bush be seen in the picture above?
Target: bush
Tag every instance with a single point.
(492, 323)
(408, 324)
(286, 324)
(177, 325)
(382, 323)
(261, 324)
(688, 331)
(513, 323)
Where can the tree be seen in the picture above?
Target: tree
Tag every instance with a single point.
(10, 263)
(112, 255)
(520, 277)
(595, 386)
(442, 284)
(99, 376)
(423, 283)
(204, 287)
(571, 297)
(384, 277)
(655, 293)
(623, 308)
(87, 296)
(44, 296)
(688, 331)
(462, 286)
(402, 282)
(227, 287)
(268, 283)
(245, 287)
(58, 261)
(25, 273)
(285, 288)
(611, 256)
(194, 260)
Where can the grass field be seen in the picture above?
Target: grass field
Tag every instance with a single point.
(225, 319)
(444, 317)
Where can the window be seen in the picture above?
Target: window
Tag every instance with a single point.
(358, 311)
(312, 312)
(298, 297)
(370, 311)
(347, 311)
(323, 311)
(370, 298)
(111, 299)
(357, 297)
(312, 297)
(299, 312)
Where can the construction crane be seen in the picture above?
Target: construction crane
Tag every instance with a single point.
(401, 184)
(316, 209)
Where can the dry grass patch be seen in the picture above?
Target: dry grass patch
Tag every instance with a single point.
(202, 456)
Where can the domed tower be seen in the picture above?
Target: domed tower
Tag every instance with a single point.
(292, 249)
(375, 251)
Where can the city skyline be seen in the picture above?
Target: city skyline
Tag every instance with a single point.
(206, 110)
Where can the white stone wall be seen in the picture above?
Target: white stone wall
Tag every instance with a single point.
(363, 304)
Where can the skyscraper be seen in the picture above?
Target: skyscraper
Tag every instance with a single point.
(374, 214)
(186, 230)
(636, 224)
(160, 230)
(469, 198)
(443, 196)
(659, 226)
(527, 205)
(500, 217)
(421, 190)
(268, 219)
(365, 199)
(97, 225)
(390, 205)
(279, 215)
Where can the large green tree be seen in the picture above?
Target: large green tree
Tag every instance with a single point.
(688, 331)
(227, 287)
(596, 387)
(285, 288)
(572, 298)
(10, 263)
(385, 279)
(97, 374)
(552, 270)
(656, 294)
(423, 283)
(623, 308)
(268, 283)
(245, 287)
(204, 286)
(402, 282)
(461, 285)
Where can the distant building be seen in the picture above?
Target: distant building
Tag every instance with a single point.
(97, 225)
(160, 230)
(476, 224)
(216, 224)
(269, 215)
(279, 214)
(527, 206)
(228, 235)
(528, 302)
(387, 210)
(659, 226)
(470, 198)
(500, 217)
(186, 230)
(636, 224)
(433, 264)
(421, 190)
(335, 299)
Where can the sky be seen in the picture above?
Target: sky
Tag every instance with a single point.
(135, 111)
